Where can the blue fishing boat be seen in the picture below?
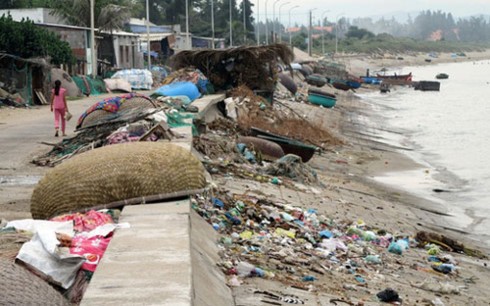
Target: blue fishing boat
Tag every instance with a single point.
(322, 98)
(371, 80)
(353, 84)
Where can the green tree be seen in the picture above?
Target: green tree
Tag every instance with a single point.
(25, 39)
(299, 41)
(355, 32)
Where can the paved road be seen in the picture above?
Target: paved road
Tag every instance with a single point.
(21, 134)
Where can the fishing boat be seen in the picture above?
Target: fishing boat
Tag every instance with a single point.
(353, 84)
(427, 86)
(322, 98)
(341, 85)
(370, 80)
(345, 84)
(316, 80)
(406, 77)
(288, 145)
(321, 92)
(442, 76)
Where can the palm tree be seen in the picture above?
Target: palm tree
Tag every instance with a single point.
(109, 14)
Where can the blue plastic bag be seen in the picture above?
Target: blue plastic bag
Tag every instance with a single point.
(179, 89)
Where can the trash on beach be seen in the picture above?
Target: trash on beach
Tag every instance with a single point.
(437, 286)
(388, 295)
(447, 243)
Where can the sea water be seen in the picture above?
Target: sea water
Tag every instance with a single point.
(449, 134)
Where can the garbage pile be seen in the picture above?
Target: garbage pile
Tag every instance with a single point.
(300, 247)
(11, 100)
(255, 67)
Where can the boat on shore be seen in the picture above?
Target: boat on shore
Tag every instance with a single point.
(442, 76)
(322, 98)
(405, 77)
(370, 80)
(427, 86)
(345, 84)
(288, 145)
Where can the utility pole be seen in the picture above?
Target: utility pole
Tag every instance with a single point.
(212, 24)
(279, 18)
(257, 22)
(309, 35)
(148, 42)
(92, 39)
(244, 24)
(266, 29)
(187, 42)
(274, 21)
(231, 31)
(337, 32)
(323, 33)
(289, 24)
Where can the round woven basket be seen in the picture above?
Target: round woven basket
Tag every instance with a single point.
(95, 116)
(10, 244)
(20, 287)
(269, 150)
(116, 173)
(100, 115)
(137, 102)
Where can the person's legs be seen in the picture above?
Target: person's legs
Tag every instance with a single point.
(63, 121)
(56, 121)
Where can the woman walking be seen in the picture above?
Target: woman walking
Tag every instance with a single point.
(58, 105)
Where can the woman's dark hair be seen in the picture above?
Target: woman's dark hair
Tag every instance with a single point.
(57, 85)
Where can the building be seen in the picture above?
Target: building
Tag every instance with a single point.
(118, 49)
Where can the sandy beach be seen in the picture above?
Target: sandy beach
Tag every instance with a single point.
(350, 195)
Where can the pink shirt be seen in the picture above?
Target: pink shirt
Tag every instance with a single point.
(58, 102)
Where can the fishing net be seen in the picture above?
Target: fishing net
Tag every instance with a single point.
(116, 173)
(89, 85)
(291, 166)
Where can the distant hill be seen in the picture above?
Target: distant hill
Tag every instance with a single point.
(402, 16)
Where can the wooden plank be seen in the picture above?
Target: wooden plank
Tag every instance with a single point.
(41, 97)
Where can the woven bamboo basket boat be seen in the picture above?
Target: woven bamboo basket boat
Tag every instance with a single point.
(100, 115)
(18, 286)
(137, 102)
(269, 149)
(10, 244)
(123, 173)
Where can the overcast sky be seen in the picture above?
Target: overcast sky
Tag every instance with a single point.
(365, 8)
